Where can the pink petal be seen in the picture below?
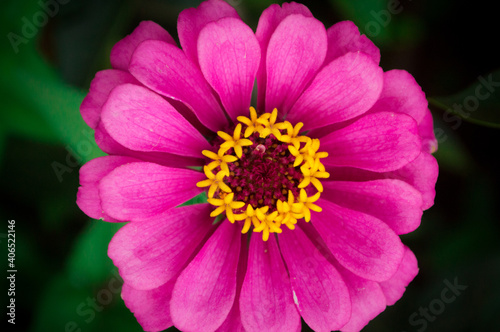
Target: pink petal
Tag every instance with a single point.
(188, 114)
(394, 202)
(353, 174)
(100, 87)
(343, 37)
(151, 307)
(268, 22)
(344, 89)
(165, 69)
(378, 142)
(141, 120)
(361, 243)
(426, 130)
(141, 191)
(401, 94)
(204, 293)
(233, 320)
(328, 129)
(422, 174)
(296, 51)
(112, 147)
(146, 30)
(150, 253)
(229, 56)
(266, 300)
(367, 300)
(192, 20)
(88, 199)
(318, 290)
(395, 287)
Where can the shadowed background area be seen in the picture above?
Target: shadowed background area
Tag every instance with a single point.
(51, 49)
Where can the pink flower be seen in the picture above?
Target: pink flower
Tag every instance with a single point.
(332, 140)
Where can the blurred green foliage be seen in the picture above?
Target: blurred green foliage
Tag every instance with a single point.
(66, 281)
(478, 103)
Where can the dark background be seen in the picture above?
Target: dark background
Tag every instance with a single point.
(65, 281)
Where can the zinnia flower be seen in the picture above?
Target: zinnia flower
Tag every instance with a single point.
(307, 189)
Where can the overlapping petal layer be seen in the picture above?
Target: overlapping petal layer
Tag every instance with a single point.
(141, 120)
(205, 291)
(266, 299)
(150, 253)
(319, 292)
(141, 191)
(165, 69)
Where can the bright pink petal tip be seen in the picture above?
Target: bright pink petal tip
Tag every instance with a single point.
(192, 20)
(88, 198)
(426, 130)
(100, 87)
(421, 173)
(344, 37)
(268, 22)
(123, 50)
(401, 94)
(367, 300)
(395, 287)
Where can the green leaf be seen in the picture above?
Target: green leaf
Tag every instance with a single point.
(201, 198)
(24, 121)
(479, 103)
(56, 103)
(89, 262)
(61, 296)
(38, 100)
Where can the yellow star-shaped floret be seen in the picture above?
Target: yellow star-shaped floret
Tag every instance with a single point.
(219, 159)
(292, 135)
(225, 203)
(215, 181)
(305, 204)
(265, 223)
(252, 123)
(235, 141)
(270, 125)
(286, 216)
(311, 174)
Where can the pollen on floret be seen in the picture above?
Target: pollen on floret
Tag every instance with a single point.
(264, 174)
